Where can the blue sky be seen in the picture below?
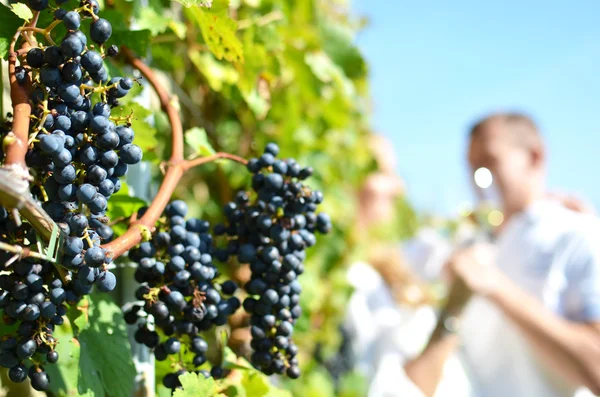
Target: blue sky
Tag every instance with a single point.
(436, 66)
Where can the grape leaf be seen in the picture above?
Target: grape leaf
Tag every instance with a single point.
(219, 33)
(78, 316)
(216, 73)
(338, 43)
(22, 11)
(197, 139)
(122, 206)
(328, 72)
(105, 358)
(64, 373)
(153, 21)
(10, 23)
(256, 384)
(196, 385)
(145, 134)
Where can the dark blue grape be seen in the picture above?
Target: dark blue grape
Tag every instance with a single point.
(131, 154)
(110, 140)
(72, 20)
(96, 174)
(125, 135)
(66, 174)
(98, 204)
(35, 58)
(106, 281)
(54, 56)
(50, 76)
(91, 61)
(72, 46)
(100, 31)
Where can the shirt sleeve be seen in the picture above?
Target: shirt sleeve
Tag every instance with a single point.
(583, 276)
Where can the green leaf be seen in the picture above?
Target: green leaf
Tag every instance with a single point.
(22, 11)
(78, 316)
(328, 72)
(122, 206)
(145, 134)
(257, 103)
(338, 43)
(105, 363)
(10, 23)
(256, 384)
(137, 40)
(197, 139)
(219, 33)
(195, 385)
(153, 21)
(64, 373)
(192, 3)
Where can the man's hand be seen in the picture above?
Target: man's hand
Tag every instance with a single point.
(475, 266)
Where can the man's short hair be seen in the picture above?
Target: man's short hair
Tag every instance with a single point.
(520, 128)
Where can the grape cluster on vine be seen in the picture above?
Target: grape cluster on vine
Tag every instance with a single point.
(77, 154)
(178, 290)
(271, 230)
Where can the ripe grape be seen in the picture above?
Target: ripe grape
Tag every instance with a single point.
(76, 158)
(271, 233)
(187, 296)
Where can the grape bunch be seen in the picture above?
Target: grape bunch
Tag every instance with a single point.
(271, 231)
(33, 297)
(77, 154)
(80, 151)
(179, 291)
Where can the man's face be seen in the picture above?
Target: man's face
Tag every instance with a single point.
(512, 165)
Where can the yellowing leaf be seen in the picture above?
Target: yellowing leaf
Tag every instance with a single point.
(178, 28)
(216, 73)
(22, 11)
(219, 33)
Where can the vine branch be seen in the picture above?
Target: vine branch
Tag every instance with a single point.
(14, 176)
(178, 166)
(16, 148)
(219, 155)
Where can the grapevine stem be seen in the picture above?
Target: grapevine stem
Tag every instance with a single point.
(178, 166)
(219, 155)
(16, 151)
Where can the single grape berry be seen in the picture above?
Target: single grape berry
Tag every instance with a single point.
(100, 31)
(112, 51)
(39, 380)
(72, 20)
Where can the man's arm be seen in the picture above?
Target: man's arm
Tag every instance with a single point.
(571, 348)
(426, 370)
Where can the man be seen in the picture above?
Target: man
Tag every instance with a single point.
(532, 328)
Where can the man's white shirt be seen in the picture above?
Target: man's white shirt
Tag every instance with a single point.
(551, 252)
